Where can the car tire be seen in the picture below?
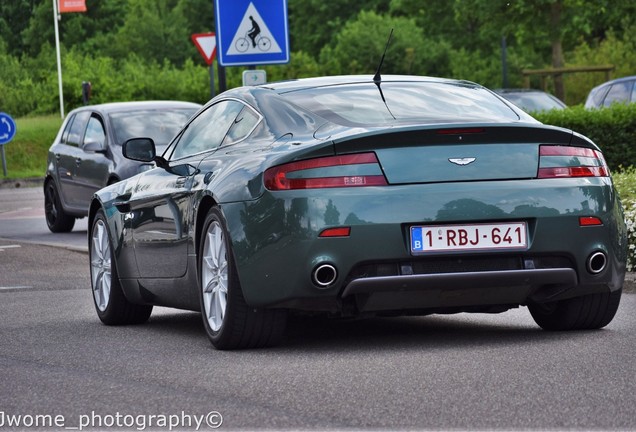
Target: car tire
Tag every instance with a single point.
(57, 220)
(229, 322)
(112, 306)
(587, 312)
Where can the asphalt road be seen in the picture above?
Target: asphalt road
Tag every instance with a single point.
(22, 218)
(60, 365)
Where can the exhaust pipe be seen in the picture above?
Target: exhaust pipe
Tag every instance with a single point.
(324, 275)
(596, 262)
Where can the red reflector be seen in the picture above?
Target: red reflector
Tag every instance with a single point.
(590, 221)
(336, 232)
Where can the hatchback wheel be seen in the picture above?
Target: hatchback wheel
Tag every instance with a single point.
(57, 220)
(229, 322)
(587, 312)
(110, 302)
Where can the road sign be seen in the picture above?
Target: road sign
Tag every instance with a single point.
(252, 32)
(206, 44)
(72, 6)
(254, 77)
(7, 128)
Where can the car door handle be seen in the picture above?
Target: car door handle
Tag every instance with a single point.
(180, 181)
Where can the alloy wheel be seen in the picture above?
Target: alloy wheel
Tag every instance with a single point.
(100, 265)
(214, 276)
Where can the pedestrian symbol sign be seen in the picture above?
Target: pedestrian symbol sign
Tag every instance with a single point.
(252, 32)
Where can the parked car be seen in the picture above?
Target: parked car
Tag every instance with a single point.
(621, 90)
(355, 196)
(86, 154)
(532, 100)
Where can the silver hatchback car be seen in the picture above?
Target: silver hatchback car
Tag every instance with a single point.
(87, 152)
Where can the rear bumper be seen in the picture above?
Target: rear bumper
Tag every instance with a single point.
(277, 252)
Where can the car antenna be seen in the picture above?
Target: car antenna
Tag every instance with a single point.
(377, 79)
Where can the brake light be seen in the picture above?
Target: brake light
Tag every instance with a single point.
(354, 170)
(462, 131)
(565, 161)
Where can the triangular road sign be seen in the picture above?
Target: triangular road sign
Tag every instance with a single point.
(206, 44)
(253, 36)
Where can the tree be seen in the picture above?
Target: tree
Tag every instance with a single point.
(360, 43)
(14, 16)
(314, 23)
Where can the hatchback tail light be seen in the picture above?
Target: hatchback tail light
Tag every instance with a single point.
(354, 170)
(564, 161)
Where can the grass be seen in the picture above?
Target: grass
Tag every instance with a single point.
(26, 154)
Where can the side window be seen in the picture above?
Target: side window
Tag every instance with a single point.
(76, 131)
(243, 125)
(208, 130)
(67, 129)
(95, 132)
(620, 92)
(633, 91)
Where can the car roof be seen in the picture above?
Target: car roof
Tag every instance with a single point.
(305, 83)
(111, 107)
(627, 78)
(518, 90)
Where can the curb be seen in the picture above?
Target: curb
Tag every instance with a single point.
(21, 183)
(629, 286)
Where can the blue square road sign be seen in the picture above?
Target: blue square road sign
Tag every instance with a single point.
(252, 32)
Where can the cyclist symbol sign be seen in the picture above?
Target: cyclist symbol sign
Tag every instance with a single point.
(252, 32)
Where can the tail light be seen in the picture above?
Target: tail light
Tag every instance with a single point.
(354, 170)
(564, 161)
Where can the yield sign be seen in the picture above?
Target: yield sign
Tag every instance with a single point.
(206, 44)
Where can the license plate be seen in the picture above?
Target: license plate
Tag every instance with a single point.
(436, 238)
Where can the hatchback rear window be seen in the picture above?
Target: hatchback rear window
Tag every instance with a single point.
(161, 126)
(402, 102)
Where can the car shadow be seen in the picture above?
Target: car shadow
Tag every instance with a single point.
(308, 334)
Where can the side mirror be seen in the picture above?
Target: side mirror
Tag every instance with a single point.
(140, 149)
(94, 146)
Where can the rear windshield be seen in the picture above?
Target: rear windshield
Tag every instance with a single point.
(402, 102)
(159, 125)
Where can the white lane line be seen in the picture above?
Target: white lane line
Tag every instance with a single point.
(3, 247)
(15, 287)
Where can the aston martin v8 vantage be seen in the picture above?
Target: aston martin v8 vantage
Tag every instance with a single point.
(355, 196)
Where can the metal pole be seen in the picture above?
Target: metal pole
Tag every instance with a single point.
(220, 69)
(59, 61)
(4, 160)
(212, 91)
(504, 62)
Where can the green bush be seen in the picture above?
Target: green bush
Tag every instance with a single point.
(625, 182)
(613, 129)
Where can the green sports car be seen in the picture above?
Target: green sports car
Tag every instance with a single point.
(354, 196)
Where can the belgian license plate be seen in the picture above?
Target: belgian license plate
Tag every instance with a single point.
(436, 238)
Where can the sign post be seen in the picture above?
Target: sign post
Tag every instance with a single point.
(206, 44)
(7, 132)
(252, 32)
